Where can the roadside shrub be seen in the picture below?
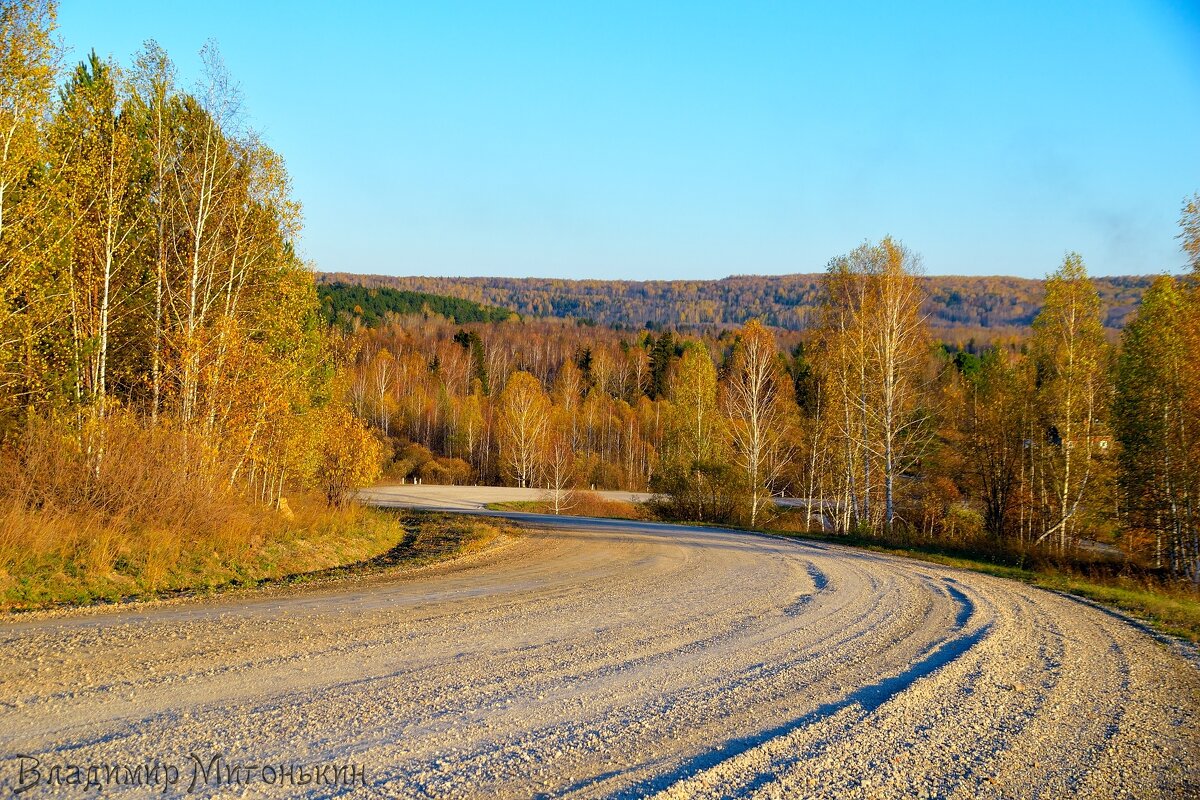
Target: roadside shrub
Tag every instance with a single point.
(432, 471)
(701, 492)
(407, 461)
(458, 470)
(114, 507)
(964, 523)
(412, 461)
(592, 504)
(117, 470)
(351, 457)
(605, 475)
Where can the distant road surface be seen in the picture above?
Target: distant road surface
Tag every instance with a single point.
(618, 659)
(459, 498)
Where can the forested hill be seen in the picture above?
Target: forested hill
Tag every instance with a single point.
(962, 304)
(369, 304)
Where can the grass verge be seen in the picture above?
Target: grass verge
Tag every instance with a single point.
(580, 504)
(315, 543)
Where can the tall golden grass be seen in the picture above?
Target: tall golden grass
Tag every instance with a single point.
(77, 526)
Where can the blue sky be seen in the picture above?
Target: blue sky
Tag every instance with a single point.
(692, 139)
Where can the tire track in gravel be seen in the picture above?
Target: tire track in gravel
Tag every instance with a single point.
(622, 659)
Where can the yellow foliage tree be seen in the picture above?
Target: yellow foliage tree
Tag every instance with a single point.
(524, 420)
(350, 457)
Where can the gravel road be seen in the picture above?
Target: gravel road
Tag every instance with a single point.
(616, 659)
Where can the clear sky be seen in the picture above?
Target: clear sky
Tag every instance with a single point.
(701, 139)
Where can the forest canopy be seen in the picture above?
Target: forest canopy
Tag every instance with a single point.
(958, 307)
(347, 303)
(165, 372)
(1057, 435)
(165, 353)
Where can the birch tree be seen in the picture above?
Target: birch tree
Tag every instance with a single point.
(692, 389)
(154, 95)
(1189, 234)
(874, 347)
(756, 400)
(28, 60)
(559, 467)
(1159, 435)
(1069, 352)
(524, 412)
(897, 348)
(202, 184)
(97, 142)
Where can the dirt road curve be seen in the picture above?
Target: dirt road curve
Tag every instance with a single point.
(611, 659)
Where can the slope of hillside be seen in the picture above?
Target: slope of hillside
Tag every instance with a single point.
(787, 301)
(368, 304)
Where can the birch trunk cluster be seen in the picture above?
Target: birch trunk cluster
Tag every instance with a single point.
(147, 267)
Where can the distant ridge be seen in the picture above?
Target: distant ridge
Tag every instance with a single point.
(348, 303)
(962, 305)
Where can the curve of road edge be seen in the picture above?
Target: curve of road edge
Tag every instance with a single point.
(614, 659)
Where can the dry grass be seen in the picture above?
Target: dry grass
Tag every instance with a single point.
(581, 504)
(90, 563)
(141, 525)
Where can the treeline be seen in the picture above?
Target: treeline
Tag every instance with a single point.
(958, 308)
(1040, 442)
(349, 305)
(159, 338)
(165, 364)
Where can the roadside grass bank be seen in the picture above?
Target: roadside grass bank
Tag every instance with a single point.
(76, 560)
(581, 504)
(1168, 607)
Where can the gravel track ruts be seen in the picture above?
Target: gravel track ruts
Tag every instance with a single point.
(624, 659)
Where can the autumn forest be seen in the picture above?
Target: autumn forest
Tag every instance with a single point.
(169, 371)
(1046, 439)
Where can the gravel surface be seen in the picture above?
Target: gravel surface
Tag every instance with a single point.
(616, 659)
